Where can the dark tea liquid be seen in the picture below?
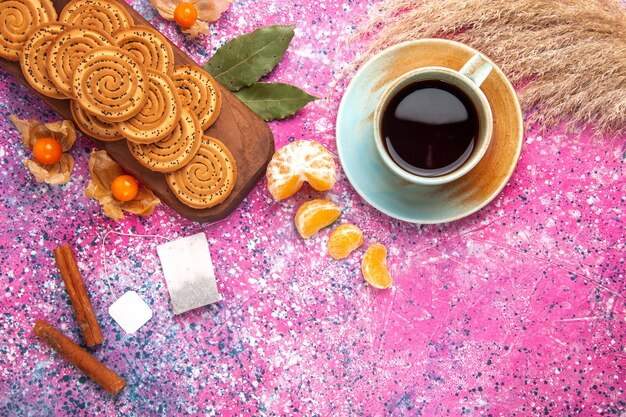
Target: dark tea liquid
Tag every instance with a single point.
(429, 128)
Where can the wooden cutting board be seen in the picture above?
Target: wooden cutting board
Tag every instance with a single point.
(247, 136)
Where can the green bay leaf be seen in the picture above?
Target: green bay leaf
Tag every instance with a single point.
(273, 101)
(247, 58)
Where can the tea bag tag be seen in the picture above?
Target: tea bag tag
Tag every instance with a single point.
(189, 273)
(130, 312)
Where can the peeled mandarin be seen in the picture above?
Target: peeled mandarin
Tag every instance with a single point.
(344, 240)
(297, 162)
(374, 267)
(314, 215)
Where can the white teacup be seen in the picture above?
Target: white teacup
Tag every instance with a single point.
(433, 117)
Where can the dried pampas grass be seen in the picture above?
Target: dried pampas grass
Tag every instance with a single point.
(567, 58)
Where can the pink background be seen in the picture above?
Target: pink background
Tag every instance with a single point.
(516, 310)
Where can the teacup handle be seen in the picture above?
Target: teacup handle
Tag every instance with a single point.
(477, 69)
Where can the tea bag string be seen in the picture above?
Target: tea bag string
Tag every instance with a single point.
(104, 236)
(104, 253)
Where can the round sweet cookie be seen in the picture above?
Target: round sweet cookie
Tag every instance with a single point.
(208, 179)
(66, 52)
(92, 126)
(159, 116)
(176, 150)
(107, 16)
(33, 59)
(200, 92)
(110, 84)
(149, 47)
(18, 19)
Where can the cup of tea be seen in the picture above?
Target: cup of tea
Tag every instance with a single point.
(432, 125)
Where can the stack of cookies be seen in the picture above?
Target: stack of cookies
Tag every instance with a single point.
(123, 84)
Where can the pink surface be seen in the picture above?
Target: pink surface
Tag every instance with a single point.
(516, 310)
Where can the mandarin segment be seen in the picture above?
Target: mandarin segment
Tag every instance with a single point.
(297, 162)
(314, 215)
(344, 240)
(374, 267)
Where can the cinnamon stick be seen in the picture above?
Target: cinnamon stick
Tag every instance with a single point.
(79, 357)
(86, 318)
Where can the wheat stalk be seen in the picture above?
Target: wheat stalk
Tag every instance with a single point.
(567, 58)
